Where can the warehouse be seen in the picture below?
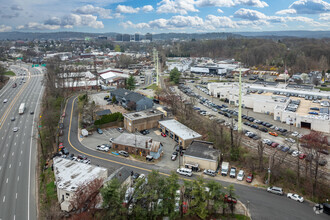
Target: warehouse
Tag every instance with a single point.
(201, 154)
(178, 132)
(138, 121)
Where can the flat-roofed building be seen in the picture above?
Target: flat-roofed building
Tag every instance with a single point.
(178, 132)
(69, 175)
(138, 121)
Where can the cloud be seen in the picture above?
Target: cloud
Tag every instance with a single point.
(286, 11)
(127, 9)
(176, 6)
(310, 6)
(90, 9)
(325, 17)
(248, 14)
(213, 22)
(4, 28)
(76, 20)
(16, 8)
(10, 16)
(38, 26)
(219, 10)
(231, 3)
(147, 8)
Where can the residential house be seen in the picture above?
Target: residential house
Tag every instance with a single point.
(132, 100)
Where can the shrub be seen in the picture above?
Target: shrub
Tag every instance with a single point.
(117, 116)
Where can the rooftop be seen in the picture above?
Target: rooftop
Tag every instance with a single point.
(202, 149)
(69, 174)
(121, 174)
(103, 112)
(142, 114)
(179, 129)
(133, 140)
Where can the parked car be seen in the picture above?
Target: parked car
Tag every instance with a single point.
(295, 197)
(110, 140)
(302, 156)
(230, 199)
(210, 172)
(149, 158)
(323, 162)
(121, 130)
(123, 153)
(240, 175)
(275, 190)
(290, 140)
(184, 171)
(61, 125)
(164, 135)
(65, 151)
(295, 153)
(274, 145)
(232, 172)
(99, 130)
(273, 134)
(249, 178)
(174, 155)
(285, 149)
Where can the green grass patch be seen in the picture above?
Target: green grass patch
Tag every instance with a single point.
(152, 86)
(9, 73)
(51, 191)
(323, 88)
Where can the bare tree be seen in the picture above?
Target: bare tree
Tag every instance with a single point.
(261, 148)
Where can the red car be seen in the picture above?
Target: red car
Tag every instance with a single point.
(249, 178)
(274, 145)
(302, 156)
(164, 135)
(63, 115)
(230, 199)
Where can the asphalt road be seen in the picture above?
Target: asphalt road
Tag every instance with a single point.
(18, 149)
(262, 205)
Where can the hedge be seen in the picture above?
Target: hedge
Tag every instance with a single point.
(117, 116)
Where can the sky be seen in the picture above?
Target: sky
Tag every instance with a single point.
(163, 16)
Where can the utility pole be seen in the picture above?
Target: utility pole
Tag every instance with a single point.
(239, 127)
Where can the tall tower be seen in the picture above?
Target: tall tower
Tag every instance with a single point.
(156, 62)
(240, 102)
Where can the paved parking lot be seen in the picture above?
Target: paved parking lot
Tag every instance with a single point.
(168, 144)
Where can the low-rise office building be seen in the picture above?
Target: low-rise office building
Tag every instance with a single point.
(201, 154)
(178, 132)
(137, 121)
(70, 175)
(138, 144)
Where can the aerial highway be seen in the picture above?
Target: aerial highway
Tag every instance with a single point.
(18, 147)
(262, 205)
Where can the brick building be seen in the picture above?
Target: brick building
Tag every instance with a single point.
(142, 120)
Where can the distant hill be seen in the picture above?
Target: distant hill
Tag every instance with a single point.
(166, 36)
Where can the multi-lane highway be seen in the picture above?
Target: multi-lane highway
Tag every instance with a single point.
(262, 205)
(18, 149)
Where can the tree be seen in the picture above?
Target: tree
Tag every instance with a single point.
(117, 48)
(261, 148)
(113, 195)
(114, 100)
(198, 205)
(130, 83)
(87, 197)
(215, 196)
(175, 76)
(231, 193)
(315, 142)
(169, 193)
(304, 77)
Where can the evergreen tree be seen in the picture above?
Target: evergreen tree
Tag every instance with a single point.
(130, 83)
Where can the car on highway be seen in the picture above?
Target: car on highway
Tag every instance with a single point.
(209, 172)
(174, 155)
(123, 153)
(275, 190)
(12, 118)
(295, 197)
(164, 135)
(240, 175)
(249, 178)
(31, 112)
(15, 129)
(99, 130)
(273, 134)
(5, 100)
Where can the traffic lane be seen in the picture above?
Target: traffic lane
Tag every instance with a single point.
(263, 205)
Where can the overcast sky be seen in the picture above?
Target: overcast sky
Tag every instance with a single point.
(159, 16)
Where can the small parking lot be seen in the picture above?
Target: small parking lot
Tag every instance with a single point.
(168, 144)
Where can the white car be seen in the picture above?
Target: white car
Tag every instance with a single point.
(295, 153)
(290, 140)
(102, 148)
(15, 129)
(295, 197)
(295, 134)
(240, 175)
(5, 100)
(265, 141)
(111, 140)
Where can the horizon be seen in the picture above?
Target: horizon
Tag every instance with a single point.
(165, 16)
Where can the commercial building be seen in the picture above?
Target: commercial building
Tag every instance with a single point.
(132, 100)
(137, 121)
(138, 144)
(201, 154)
(178, 132)
(137, 37)
(149, 36)
(126, 37)
(69, 175)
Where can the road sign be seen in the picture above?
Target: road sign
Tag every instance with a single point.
(43, 64)
(20, 58)
(36, 65)
(32, 65)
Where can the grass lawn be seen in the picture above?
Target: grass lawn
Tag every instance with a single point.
(9, 73)
(152, 86)
(323, 88)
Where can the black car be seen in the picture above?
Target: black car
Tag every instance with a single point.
(65, 151)
(263, 129)
(135, 176)
(255, 126)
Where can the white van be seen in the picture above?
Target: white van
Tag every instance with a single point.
(184, 171)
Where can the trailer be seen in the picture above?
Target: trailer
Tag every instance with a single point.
(21, 108)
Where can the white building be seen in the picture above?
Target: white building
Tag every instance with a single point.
(69, 175)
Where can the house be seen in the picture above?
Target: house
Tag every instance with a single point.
(69, 175)
(202, 153)
(178, 132)
(132, 100)
(123, 175)
(138, 144)
(137, 121)
(103, 112)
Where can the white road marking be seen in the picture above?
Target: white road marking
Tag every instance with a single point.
(15, 143)
(17, 178)
(9, 166)
(19, 164)
(0, 167)
(16, 195)
(21, 152)
(3, 156)
(4, 199)
(24, 134)
(23, 142)
(13, 154)
(7, 180)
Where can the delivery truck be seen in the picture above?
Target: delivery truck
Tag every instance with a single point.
(21, 108)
